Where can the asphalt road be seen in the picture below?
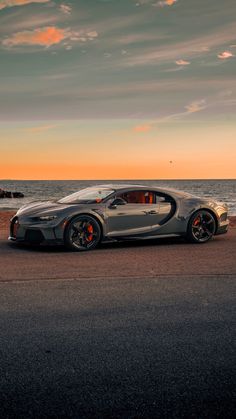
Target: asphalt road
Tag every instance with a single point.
(143, 258)
(142, 330)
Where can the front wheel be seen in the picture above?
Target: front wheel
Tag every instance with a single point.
(82, 233)
(202, 227)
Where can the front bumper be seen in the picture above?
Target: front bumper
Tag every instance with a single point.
(222, 227)
(26, 233)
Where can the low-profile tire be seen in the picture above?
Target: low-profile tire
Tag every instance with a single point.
(82, 233)
(201, 227)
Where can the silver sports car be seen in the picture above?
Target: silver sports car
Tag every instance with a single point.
(119, 212)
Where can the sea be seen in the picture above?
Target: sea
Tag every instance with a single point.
(217, 189)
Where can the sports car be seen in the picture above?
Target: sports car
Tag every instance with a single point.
(119, 212)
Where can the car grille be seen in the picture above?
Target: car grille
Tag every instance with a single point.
(14, 227)
(34, 236)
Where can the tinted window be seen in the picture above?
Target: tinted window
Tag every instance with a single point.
(144, 197)
(87, 196)
(138, 197)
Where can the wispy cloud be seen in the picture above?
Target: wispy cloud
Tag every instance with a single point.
(191, 48)
(47, 37)
(142, 128)
(39, 129)
(64, 8)
(135, 38)
(225, 55)
(82, 36)
(161, 3)
(190, 108)
(142, 2)
(182, 62)
(12, 3)
(196, 106)
(173, 70)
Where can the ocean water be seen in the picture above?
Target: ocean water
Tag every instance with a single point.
(219, 190)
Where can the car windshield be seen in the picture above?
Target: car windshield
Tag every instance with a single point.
(87, 196)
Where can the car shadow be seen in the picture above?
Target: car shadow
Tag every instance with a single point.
(102, 246)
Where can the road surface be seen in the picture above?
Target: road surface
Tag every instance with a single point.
(136, 330)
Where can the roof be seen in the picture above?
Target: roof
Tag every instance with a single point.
(117, 186)
(167, 190)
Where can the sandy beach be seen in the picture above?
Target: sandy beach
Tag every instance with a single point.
(5, 217)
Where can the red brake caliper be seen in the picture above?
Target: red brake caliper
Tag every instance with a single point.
(90, 231)
(196, 222)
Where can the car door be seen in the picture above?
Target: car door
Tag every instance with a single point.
(132, 218)
(165, 211)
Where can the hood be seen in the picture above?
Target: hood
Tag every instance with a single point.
(41, 207)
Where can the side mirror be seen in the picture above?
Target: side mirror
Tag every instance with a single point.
(117, 201)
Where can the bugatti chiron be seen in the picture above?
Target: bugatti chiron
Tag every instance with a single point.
(119, 212)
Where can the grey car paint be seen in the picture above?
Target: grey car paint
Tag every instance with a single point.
(121, 221)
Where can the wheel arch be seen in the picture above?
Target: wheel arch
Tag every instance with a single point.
(205, 209)
(96, 218)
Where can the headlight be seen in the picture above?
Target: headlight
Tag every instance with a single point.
(47, 217)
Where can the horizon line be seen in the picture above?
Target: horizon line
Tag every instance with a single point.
(117, 179)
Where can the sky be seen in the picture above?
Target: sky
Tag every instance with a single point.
(117, 89)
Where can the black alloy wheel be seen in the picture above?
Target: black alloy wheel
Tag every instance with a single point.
(202, 227)
(82, 233)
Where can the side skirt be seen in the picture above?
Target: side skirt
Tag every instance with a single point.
(126, 238)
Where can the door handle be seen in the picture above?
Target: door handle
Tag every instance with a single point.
(152, 212)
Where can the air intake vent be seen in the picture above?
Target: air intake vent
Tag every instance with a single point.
(223, 216)
(34, 236)
(14, 227)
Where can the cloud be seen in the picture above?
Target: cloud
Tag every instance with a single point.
(225, 93)
(92, 34)
(48, 36)
(135, 38)
(64, 8)
(164, 3)
(170, 2)
(43, 36)
(193, 107)
(182, 62)
(196, 106)
(12, 3)
(142, 2)
(224, 55)
(41, 128)
(173, 70)
(142, 128)
(82, 36)
(194, 47)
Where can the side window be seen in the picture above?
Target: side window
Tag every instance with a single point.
(138, 197)
(163, 197)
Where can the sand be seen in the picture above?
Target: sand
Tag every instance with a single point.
(5, 217)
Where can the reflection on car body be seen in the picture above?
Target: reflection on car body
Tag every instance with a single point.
(119, 212)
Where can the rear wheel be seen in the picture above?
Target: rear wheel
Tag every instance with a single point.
(202, 227)
(82, 233)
